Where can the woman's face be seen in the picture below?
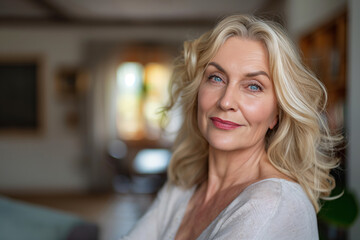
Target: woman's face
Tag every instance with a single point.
(236, 99)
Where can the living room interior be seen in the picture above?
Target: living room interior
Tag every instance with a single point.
(82, 85)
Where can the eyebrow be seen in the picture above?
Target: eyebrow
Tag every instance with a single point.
(252, 74)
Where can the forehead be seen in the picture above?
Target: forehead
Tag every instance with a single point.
(238, 52)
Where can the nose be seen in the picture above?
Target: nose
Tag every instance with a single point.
(227, 101)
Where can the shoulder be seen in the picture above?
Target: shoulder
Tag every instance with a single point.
(271, 209)
(271, 195)
(281, 196)
(275, 193)
(171, 198)
(293, 216)
(160, 218)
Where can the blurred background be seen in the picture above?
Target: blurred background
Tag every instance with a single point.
(82, 154)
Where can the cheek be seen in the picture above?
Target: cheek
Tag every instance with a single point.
(205, 100)
(260, 112)
(201, 110)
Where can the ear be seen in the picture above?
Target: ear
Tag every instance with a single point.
(274, 122)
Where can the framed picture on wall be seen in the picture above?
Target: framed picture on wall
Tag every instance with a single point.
(21, 102)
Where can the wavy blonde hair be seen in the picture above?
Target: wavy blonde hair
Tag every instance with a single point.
(300, 146)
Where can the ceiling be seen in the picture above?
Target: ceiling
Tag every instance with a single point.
(140, 12)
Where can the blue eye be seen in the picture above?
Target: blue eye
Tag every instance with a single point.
(215, 78)
(254, 87)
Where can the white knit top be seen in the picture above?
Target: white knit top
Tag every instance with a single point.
(269, 209)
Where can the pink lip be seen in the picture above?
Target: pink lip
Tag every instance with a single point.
(223, 124)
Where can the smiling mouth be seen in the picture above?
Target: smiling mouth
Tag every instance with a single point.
(223, 124)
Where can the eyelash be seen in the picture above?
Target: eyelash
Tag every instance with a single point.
(213, 76)
(257, 85)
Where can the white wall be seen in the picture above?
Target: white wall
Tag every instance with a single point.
(49, 161)
(54, 161)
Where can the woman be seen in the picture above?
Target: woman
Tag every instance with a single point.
(253, 155)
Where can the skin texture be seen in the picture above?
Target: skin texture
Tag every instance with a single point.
(236, 87)
(235, 96)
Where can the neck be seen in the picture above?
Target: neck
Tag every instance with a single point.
(235, 168)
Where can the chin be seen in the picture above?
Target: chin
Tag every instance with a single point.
(224, 144)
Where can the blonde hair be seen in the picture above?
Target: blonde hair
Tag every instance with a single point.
(300, 146)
